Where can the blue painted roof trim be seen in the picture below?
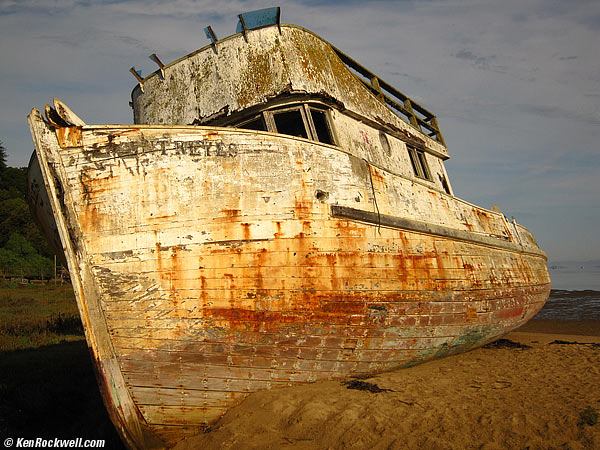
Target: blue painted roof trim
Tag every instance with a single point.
(258, 19)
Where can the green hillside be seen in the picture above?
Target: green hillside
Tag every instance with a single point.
(23, 250)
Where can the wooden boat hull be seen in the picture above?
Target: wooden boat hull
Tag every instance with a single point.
(209, 263)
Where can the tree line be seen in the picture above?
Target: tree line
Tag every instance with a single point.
(23, 250)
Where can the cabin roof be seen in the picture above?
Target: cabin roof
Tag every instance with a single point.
(333, 74)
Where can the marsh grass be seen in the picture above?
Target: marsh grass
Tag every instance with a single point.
(35, 315)
(47, 384)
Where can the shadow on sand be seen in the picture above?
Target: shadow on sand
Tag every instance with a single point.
(51, 392)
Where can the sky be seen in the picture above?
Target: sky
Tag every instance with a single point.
(515, 84)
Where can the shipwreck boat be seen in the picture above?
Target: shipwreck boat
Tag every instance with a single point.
(278, 214)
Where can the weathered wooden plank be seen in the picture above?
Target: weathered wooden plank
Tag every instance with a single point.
(311, 293)
(203, 376)
(140, 302)
(191, 258)
(175, 433)
(501, 241)
(194, 316)
(182, 397)
(371, 321)
(174, 415)
(281, 357)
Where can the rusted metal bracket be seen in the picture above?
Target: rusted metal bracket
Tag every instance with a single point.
(161, 66)
(210, 34)
(138, 77)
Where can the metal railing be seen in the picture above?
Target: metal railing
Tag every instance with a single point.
(404, 107)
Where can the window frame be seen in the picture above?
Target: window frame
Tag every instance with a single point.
(252, 119)
(270, 119)
(307, 120)
(419, 163)
(328, 122)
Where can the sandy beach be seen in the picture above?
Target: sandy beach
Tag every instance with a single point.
(542, 397)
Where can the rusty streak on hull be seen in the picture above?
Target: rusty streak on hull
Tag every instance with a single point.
(208, 265)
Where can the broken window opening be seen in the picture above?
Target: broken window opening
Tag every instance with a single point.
(321, 126)
(301, 120)
(413, 161)
(258, 123)
(444, 184)
(419, 163)
(290, 122)
(424, 167)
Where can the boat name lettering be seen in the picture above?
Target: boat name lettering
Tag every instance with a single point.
(202, 148)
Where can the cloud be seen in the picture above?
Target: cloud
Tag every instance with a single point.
(515, 85)
(557, 112)
(413, 78)
(481, 62)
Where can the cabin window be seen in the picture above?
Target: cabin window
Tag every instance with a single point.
(321, 125)
(424, 167)
(290, 122)
(385, 144)
(309, 122)
(419, 163)
(444, 184)
(258, 123)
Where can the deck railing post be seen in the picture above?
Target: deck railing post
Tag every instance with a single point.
(377, 87)
(413, 117)
(438, 135)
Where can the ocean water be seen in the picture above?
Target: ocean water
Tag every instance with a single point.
(571, 305)
(575, 291)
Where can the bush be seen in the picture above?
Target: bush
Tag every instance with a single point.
(18, 257)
